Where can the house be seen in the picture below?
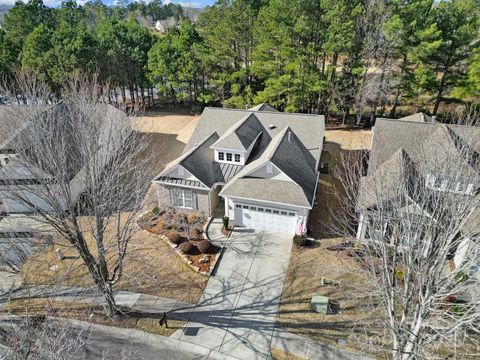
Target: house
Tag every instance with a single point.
(256, 166)
(421, 158)
(20, 178)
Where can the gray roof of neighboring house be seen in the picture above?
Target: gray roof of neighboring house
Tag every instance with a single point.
(241, 135)
(262, 107)
(286, 152)
(297, 157)
(418, 140)
(419, 148)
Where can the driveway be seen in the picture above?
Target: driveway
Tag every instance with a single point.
(236, 314)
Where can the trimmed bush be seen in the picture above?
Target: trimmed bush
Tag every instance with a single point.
(206, 247)
(174, 238)
(300, 240)
(225, 221)
(156, 210)
(188, 248)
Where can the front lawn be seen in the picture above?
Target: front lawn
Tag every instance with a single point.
(91, 313)
(150, 267)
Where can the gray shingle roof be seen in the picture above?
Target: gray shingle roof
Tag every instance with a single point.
(418, 117)
(308, 127)
(416, 139)
(199, 161)
(241, 135)
(286, 152)
(262, 107)
(296, 155)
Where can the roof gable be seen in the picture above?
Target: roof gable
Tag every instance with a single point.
(241, 135)
(262, 107)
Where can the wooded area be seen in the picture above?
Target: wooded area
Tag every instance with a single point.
(339, 58)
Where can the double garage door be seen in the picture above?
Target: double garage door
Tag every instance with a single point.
(265, 218)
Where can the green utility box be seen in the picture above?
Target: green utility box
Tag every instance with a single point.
(319, 304)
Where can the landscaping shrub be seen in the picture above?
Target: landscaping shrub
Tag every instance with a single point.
(174, 238)
(197, 231)
(188, 248)
(225, 220)
(206, 247)
(155, 210)
(300, 240)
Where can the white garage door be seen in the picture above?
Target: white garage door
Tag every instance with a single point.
(265, 218)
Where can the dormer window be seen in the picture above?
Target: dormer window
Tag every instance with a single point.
(237, 157)
(229, 157)
(221, 156)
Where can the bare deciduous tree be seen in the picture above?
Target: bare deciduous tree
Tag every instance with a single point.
(81, 169)
(418, 242)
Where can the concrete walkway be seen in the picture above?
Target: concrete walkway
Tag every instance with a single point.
(236, 314)
(134, 301)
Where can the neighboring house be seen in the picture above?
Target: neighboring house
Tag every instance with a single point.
(256, 166)
(19, 177)
(417, 150)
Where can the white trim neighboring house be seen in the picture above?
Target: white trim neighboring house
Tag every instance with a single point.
(267, 183)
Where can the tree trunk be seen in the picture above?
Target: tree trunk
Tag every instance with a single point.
(440, 92)
(399, 88)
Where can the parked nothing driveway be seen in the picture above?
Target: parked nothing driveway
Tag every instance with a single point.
(236, 314)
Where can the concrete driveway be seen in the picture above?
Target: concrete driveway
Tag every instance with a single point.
(236, 314)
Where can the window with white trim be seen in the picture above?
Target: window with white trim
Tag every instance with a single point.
(221, 155)
(229, 156)
(182, 198)
(237, 157)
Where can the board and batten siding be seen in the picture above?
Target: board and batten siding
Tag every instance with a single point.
(201, 198)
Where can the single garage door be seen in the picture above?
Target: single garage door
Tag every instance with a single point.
(265, 218)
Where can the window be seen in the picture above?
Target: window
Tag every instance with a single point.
(268, 210)
(229, 156)
(276, 212)
(237, 157)
(284, 213)
(221, 156)
(245, 206)
(260, 209)
(253, 208)
(182, 198)
(291, 214)
(238, 206)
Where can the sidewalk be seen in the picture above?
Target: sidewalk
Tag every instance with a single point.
(309, 349)
(135, 301)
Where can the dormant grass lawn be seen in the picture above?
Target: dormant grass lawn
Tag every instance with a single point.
(90, 313)
(151, 267)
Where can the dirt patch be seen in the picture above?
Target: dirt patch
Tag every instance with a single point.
(281, 355)
(354, 139)
(150, 267)
(174, 122)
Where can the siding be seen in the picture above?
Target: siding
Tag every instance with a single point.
(202, 202)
